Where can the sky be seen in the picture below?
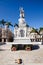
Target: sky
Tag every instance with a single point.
(9, 11)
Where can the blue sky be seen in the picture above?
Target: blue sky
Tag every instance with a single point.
(9, 11)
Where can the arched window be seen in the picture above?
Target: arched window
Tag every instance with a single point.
(22, 33)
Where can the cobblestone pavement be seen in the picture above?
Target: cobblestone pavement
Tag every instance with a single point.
(7, 57)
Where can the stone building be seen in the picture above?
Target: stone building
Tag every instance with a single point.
(6, 35)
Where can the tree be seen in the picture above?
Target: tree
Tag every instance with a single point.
(2, 22)
(41, 29)
(34, 31)
(7, 26)
(27, 25)
(16, 25)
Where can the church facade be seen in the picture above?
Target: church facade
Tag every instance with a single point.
(21, 30)
(25, 34)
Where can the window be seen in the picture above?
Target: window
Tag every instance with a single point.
(22, 33)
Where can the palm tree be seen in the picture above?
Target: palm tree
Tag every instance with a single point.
(27, 25)
(41, 33)
(41, 29)
(16, 25)
(7, 26)
(34, 31)
(2, 22)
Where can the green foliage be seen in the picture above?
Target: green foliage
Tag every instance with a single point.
(16, 25)
(2, 22)
(34, 31)
(9, 24)
(27, 25)
(41, 28)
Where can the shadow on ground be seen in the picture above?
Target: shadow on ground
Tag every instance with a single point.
(2, 49)
(2, 43)
(42, 42)
(35, 47)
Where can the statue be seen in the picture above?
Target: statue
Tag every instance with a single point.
(21, 13)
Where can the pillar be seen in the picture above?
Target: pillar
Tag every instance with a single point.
(2, 39)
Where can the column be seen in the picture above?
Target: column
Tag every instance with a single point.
(2, 40)
(2, 35)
